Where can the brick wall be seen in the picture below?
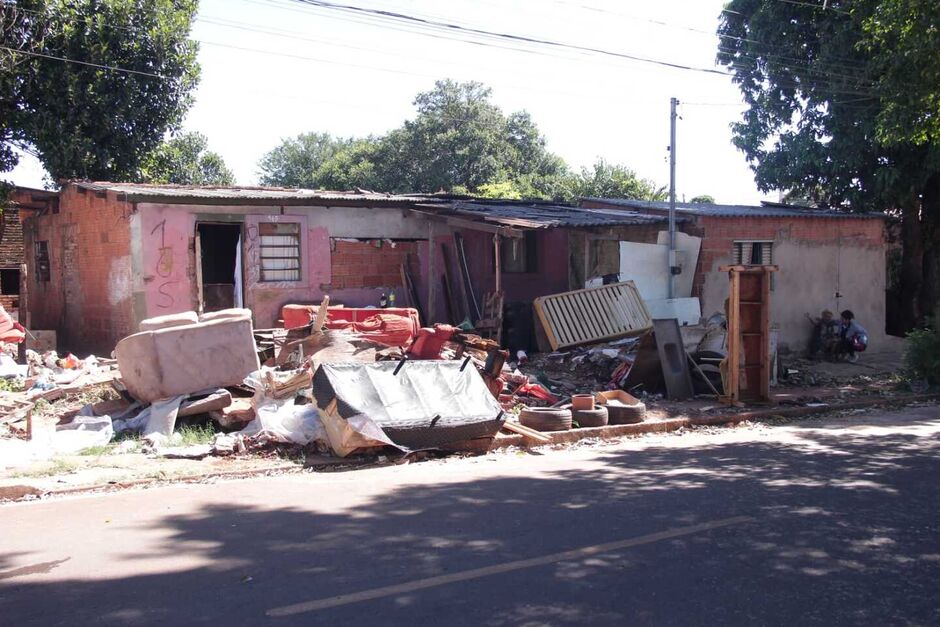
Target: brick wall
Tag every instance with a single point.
(373, 263)
(87, 299)
(720, 233)
(11, 239)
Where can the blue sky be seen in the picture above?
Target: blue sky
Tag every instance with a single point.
(274, 68)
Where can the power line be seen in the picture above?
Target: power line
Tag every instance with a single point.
(449, 26)
(95, 65)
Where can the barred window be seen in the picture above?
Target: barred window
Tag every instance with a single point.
(280, 251)
(753, 253)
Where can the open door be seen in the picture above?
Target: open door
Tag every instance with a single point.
(218, 276)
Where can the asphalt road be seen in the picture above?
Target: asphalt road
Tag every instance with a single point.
(831, 522)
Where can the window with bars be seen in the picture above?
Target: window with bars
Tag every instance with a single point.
(280, 251)
(753, 253)
(42, 261)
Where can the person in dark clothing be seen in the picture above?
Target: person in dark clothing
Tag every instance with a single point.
(853, 338)
(825, 334)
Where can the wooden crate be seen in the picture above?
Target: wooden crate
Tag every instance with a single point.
(593, 315)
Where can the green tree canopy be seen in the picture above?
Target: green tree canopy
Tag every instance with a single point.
(843, 111)
(458, 139)
(607, 180)
(122, 77)
(703, 199)
(186, 160)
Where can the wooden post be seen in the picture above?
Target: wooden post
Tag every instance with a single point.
(499, 271)
(22, 312)
(199, 291)
(587, 261)
(432, 274)
(734, 337)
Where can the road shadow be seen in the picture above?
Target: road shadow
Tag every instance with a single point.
(843, 531)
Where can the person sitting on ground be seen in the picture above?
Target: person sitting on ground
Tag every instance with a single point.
(853, 338)
(825, 334)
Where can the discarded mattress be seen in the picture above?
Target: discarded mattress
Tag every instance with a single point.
(426, 404)
(185, 358)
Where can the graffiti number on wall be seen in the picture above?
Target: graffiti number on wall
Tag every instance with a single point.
(164, 267)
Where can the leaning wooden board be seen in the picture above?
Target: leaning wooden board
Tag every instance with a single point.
(592, 315)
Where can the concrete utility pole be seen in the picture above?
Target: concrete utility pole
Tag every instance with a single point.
(673, 266)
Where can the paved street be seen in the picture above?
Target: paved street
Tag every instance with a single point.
(823, 522)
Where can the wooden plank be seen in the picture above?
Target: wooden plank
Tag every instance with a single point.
(199, 290)
(525, 431)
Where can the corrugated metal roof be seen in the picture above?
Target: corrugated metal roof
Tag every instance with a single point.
(197, 194)
(537, 215)
(765, 210)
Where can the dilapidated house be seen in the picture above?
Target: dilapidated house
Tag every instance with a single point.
(827, 259)
(104, 256)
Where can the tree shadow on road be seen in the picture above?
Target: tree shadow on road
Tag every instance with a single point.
(843, 530)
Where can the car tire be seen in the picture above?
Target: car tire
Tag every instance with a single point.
(546, 418)
(596, 417)
(626, 414)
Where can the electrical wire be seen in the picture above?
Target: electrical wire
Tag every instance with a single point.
(95, 65)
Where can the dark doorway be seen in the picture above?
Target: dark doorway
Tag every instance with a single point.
(218, 244)
(9, 281)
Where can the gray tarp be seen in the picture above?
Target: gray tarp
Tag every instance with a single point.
(428, 403)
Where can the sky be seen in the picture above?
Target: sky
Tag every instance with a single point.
(272, 69)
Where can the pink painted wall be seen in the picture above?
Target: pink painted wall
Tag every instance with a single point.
(166, 248)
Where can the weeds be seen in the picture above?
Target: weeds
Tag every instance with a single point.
(196, 434)
(96, 451)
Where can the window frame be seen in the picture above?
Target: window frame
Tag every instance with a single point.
(42, 262)
(298, 245)
(528, 249)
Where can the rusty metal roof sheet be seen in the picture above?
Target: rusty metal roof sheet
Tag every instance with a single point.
(539, 215)
(764, 210)
(199, 194)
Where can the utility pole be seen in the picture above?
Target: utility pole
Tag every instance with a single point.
(673, 266)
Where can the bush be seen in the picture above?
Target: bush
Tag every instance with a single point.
(922, 354)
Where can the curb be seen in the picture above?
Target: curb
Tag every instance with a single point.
(673, 424)
(609, 432)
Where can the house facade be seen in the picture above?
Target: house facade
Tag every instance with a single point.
(827, 259)
(101, 257)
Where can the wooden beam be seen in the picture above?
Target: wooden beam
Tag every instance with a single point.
(472, 225)
(499, 271)
(432, 274)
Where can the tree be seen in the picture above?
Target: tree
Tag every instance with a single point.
(458, 139)
(843, 111)
(121, 77)
(704, 199)
(294, 163)
(606, 180)
(186, 160)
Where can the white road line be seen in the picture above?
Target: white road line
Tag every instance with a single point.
(476, 573)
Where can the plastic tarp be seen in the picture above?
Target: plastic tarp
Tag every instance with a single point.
(418, 404)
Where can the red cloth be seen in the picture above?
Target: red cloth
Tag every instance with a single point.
(10, 331)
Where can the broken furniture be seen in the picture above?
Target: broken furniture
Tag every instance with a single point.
(746, 371)
(184, 358)
(592, 315)
(418, 404)
(661, 363)
(390, 326)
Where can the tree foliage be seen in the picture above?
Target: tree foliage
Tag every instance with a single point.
(703, 199)
(459, 142)
(843, 111)
(186, 160)
(122, 77)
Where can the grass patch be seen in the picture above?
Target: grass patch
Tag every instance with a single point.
(57, 467)
(196, 434)
(96, 451)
